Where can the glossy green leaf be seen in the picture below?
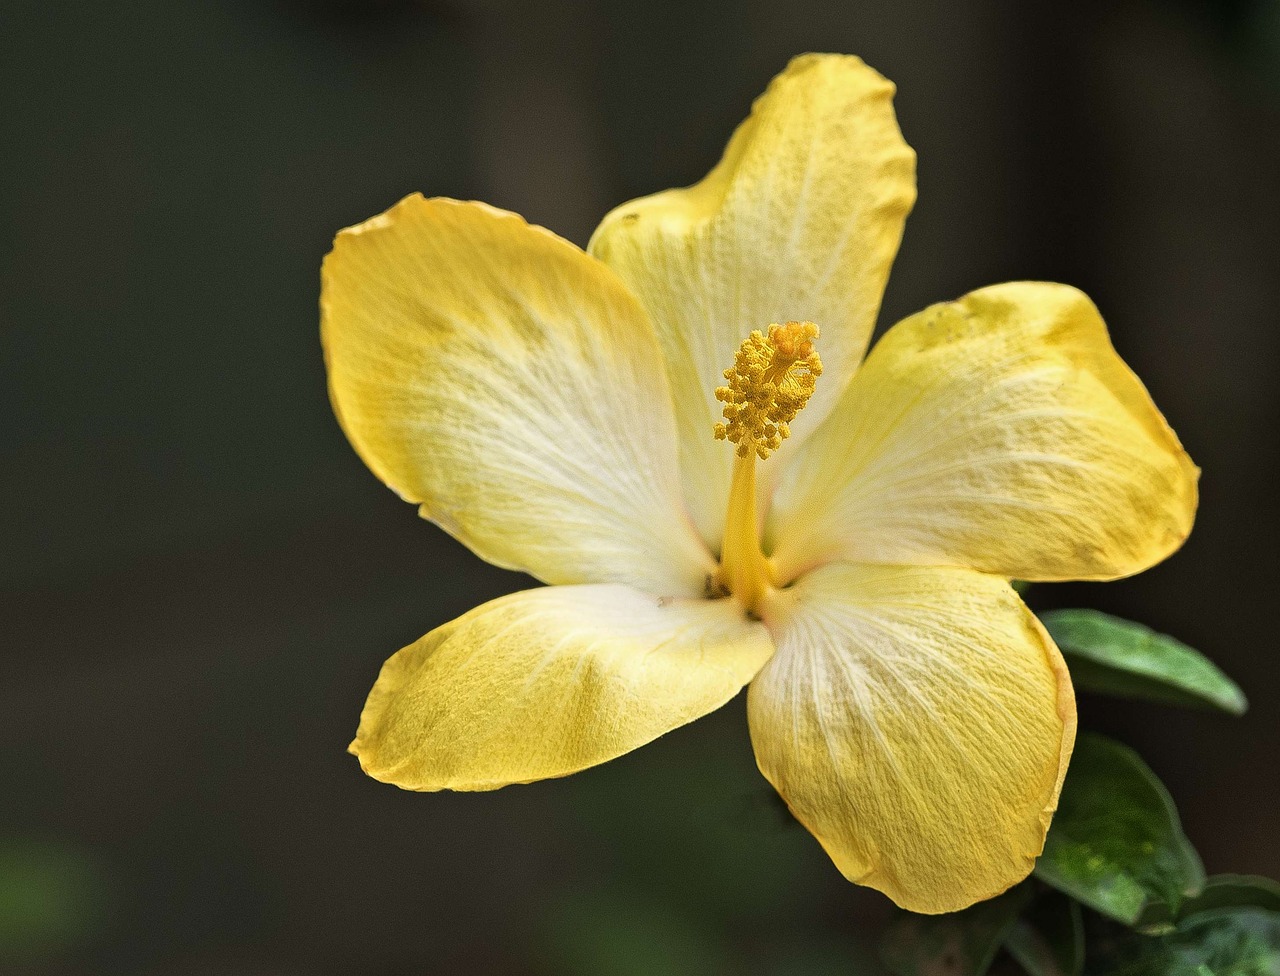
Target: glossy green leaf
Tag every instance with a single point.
(1220, 891)
(956, 944)
(1221, 942)
(1119, 657)
(1048, 939)
(1235, 891)
(1116, 843)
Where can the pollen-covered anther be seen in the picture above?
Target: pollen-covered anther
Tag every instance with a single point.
(771, 379)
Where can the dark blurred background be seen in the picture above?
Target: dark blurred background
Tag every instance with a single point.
(200, 580)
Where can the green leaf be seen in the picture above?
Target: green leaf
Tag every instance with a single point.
(1220, 891)
(956, 944)
(1119, 657)
(1048, 940)
(1235, 891)
(1222, 942)
(1116, 843)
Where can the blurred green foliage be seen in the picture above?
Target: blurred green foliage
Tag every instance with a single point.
(702, 870)
(960, 943)
(51, 899)
(1048, 940)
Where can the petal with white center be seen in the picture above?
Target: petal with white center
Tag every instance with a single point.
(1000, 432)
(919, 722)
(510, 385)
(547, 682)
(799, 221)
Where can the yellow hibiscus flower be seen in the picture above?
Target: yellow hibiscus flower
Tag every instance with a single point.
(570, 415)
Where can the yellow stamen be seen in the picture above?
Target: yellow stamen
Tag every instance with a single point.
(771, 379)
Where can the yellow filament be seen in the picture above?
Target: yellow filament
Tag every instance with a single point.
(744, 570)
(772, 378)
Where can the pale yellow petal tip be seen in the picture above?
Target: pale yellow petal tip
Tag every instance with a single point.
(932, 901)
(816, 60)
(386, 218)
(367, 756)
(408, 207)
(1175, 518)
(924, 901)
(942, 903)
(370, 751)
(415, 205)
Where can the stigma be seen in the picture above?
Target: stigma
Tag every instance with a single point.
(771, 379)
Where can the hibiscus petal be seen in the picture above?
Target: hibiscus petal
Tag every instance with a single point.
(550, 681)
(511, 385)
(918, 721)
(799, 221)
(999, 432)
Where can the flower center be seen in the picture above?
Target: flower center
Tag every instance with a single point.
(771, 379)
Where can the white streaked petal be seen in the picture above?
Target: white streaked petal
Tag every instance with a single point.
(513, 387)
(999, 432)
(799, 221)
(547, 682)
(918, 721)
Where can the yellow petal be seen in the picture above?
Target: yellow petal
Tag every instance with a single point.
(999, 432)
(550, 681)
(511, 385)
(798, 222)
(918, 721)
